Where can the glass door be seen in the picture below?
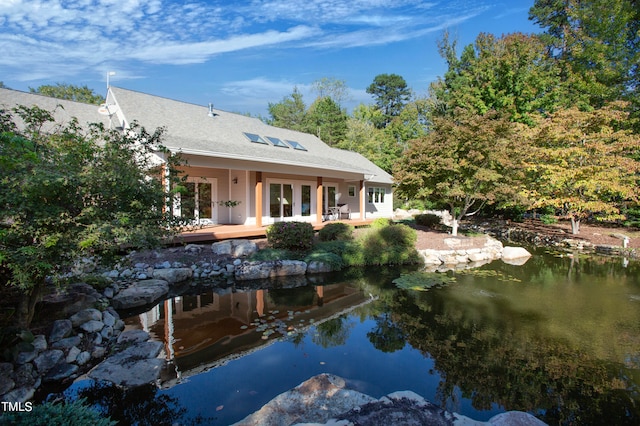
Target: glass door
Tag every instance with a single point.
(280, 200)
(197, 203)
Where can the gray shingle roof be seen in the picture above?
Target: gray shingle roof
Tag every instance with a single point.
(64, 110)
(190, 130)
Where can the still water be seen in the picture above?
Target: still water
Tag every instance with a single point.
(558, 337)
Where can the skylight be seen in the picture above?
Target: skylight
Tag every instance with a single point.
(296, 145)
(277, 142)
(255, 138)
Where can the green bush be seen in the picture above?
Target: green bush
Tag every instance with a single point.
(336, 231)
(429, 220)
(389, 245)
(269, 254)
(48, 414)
(350, 252)
(548, 219)
(97, 281)
(332, 259)
(381, 222)
(294, 236)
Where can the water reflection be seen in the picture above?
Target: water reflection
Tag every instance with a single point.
(558, 337)
(207, 329)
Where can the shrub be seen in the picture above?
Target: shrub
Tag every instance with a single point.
(381, 222)
(429, 220)
(350, 252)
(336, 231)
(294, 236)
(269, 254)
(47, 414)
(332, 259)
(97, 281)
(548, 219)
(389, 245)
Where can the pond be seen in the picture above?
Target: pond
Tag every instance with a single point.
(558, 337)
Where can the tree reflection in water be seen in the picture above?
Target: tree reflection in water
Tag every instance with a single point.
(142, 406)
(495, 352)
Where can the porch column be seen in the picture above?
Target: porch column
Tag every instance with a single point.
(259, 199)
(319, 201)
(362, 203)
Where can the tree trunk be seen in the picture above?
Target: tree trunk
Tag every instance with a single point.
(454, 227)
(27, 305)
(575, 225)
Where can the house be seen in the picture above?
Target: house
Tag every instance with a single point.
(239, 169)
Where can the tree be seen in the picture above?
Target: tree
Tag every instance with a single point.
(464, 163)
(71, 193)
(290, 113)
(580, 163)
(512, 74)
(330, 87)
(327, 120)
(597, 43)
(69, 92)
(391, 94)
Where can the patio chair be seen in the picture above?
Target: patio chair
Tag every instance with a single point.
(345, 211)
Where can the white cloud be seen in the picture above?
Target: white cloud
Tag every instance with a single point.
(63, 38)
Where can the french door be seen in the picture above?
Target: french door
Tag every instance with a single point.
(280, 201)
(198, 203)
(289, 200)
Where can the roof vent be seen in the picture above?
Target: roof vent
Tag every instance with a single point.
(211, 113)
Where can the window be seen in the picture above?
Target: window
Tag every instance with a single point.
(255, 138)
(376, 195)
(296, 145)
(277, 142)
(352, 191)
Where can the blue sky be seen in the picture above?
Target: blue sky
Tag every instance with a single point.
(239, 55)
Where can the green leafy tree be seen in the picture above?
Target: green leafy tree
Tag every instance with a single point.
(464, 163)
(579, 163)
(597, 43)
(69, 92)
(391, 93)
(290, 113)
(511, 74)
(327, 120)
(73, 192)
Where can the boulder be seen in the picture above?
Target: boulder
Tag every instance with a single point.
(141, 293)
(92, 326)
(85, 315)
(173, 275)
(509, 254)
(60, 371)
(242, 248)
(135, 366)
(315, 267)
(133, 336)
(67, 342)
(60, 330)
(326, 400)
(315, 400)
(271, 269)
(47, 359)
(222, 248)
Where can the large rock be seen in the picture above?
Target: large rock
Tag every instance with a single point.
(135, 366)
(84, 316)
(235, 248)
(61, 329)
(515, 255)
(47, 359)
(141, 293)
(326, 400)
(271, 269)
(317, 400)
(173, 275)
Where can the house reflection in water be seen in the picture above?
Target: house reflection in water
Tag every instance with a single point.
(208, 329)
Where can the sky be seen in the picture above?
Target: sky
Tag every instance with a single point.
(240, 55)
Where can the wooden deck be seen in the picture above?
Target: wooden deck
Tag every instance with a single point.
(228, 232)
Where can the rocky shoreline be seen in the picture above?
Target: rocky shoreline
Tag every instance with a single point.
(81, 343)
